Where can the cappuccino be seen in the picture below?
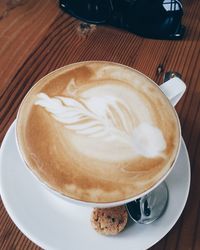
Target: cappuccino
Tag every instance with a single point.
(97, 132)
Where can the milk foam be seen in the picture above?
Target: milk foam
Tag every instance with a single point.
(108, 117)
(96, 131)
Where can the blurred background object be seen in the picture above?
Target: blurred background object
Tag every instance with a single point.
(158, 19)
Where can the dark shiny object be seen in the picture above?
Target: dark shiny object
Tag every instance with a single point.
(159, 19)
(149, 207)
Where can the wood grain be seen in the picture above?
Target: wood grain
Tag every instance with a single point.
(36, 38)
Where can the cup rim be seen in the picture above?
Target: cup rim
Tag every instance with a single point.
(87, 203)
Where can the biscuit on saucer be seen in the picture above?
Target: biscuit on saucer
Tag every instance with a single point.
(109, 221)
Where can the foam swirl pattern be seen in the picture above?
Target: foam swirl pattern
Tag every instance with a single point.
(97, 132)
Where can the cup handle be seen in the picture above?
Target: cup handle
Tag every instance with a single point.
(173, 89)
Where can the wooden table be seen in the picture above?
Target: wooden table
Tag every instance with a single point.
(36, 38)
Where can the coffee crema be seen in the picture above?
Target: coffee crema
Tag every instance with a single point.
(97, 132)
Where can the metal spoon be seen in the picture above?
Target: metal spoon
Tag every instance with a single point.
(150, 207)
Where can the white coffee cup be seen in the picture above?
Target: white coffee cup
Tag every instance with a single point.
(173, 89)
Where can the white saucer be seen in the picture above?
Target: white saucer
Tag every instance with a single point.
(53, 223)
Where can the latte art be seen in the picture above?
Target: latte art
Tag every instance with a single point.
(97, 132)
(101, 117)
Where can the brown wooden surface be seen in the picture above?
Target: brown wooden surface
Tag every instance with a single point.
(36, 38)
